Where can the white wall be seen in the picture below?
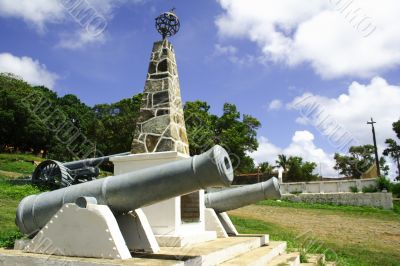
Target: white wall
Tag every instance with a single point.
(334, 186)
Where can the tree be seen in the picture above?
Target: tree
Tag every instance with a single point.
(200, 126)
(282, 162)
(359, 160)
(266, 168)
(113, 128)
(396, 128)
(236, 133)
(299, 170)
(393, 150)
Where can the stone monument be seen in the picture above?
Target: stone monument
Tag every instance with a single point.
(160, 137)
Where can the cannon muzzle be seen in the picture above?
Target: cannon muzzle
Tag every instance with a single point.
(127, 192)
(234, 198)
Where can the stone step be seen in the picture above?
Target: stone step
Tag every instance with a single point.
(260, 256)
(314, 259)
(286, 259)
(212, 252)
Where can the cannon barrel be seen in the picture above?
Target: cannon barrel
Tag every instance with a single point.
(234, 198)
(133, 190)
(91, 161)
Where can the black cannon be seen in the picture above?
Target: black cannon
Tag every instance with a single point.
(56, 174)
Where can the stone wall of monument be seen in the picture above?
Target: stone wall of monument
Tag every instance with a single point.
(161, 124)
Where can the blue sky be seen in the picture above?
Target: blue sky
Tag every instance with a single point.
(262, 55)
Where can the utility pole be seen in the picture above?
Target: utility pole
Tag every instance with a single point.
(372, 122)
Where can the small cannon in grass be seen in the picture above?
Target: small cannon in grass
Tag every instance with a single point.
(56, 174)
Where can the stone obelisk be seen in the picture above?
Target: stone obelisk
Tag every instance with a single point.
(161, 125)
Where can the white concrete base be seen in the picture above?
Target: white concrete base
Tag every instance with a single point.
(220, 222)
(227, 224)
(214, 224)
(82, 232)
(185, 240)
(137, 232)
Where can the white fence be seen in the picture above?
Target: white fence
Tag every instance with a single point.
(334, 186)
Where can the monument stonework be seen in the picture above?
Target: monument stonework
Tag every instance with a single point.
(161, 124)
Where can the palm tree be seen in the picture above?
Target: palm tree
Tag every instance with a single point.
(282, 162)
(393, 150)
(266, 168)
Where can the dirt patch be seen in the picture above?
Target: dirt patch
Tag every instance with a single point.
(339, 228)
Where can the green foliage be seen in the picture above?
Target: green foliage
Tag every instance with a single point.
(396, 128)
(383, 183)
(7, 238)
(359, 160)
(18, 163)
(393, 150)
(266, 168)
(282, 162)
(34, 119)
(358, 211)
(354, 189)
(114, 125)
(299, 170)
(396, 190)
(370, 189)
(296, 192)
(236, 133)
(10, 196)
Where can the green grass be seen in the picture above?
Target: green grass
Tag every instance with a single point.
(308, 243)
(349, 210)
(18, 163)
(10, 196)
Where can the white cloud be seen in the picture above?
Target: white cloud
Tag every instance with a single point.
(302, 145)
(79, 40)
(91, 16)
(37, 12)
(342, 120)
(275, 105)
(224, 50)
(27, 68)
(360, 40)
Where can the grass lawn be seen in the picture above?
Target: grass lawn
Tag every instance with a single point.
(10, 196)
(18, 163)
(346, 234)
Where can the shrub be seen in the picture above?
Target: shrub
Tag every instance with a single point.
(383, 183)
(396, 190)
(7, 239)
(296, 192)
(370, 189)
(354, 189)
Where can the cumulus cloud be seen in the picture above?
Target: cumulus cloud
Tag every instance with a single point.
(343, 119)
(337, 37)
(29, 69)
(275, 105)
(91, 16)
(302, 145)
(37, 12)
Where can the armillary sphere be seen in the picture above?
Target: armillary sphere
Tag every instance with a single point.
(167, 24)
